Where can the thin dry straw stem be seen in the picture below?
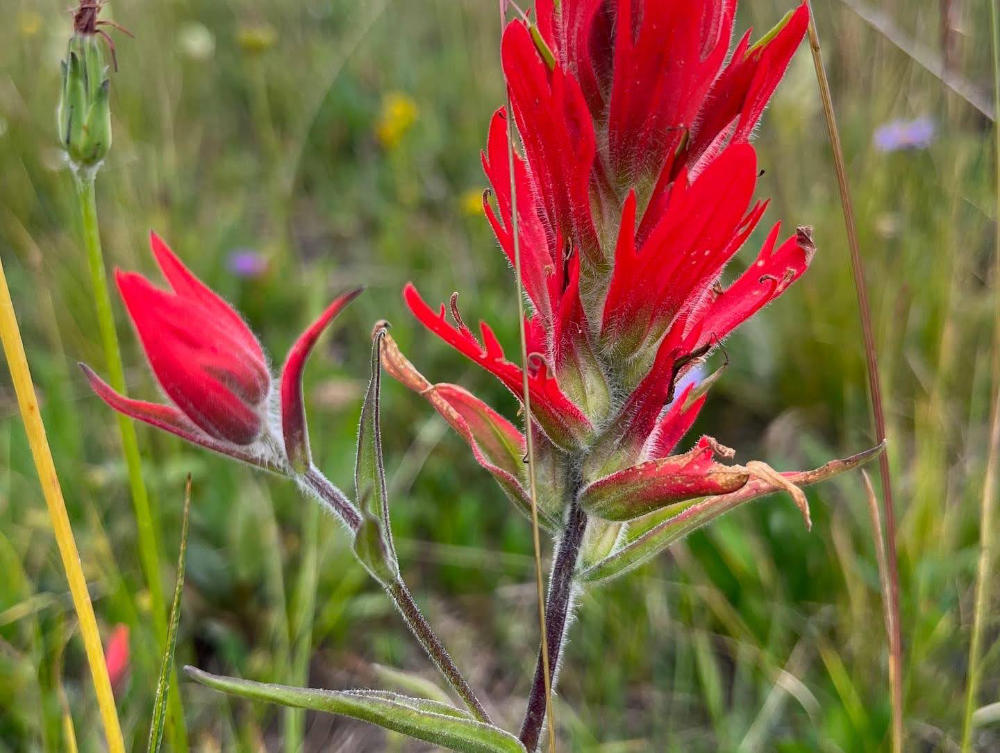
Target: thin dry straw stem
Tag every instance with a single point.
(987, 542)
(529, 443)
(27, 401)
(874, 388)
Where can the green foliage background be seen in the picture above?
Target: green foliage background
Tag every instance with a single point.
(250, 124)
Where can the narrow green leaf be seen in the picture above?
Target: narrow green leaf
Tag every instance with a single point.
(369, 471)
(162, 685)
(420, 718)
(694, 515)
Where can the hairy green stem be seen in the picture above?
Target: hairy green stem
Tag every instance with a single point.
(438, 654)
(148, 544)
(320, 487)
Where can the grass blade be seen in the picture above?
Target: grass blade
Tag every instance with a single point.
(27, 402)
(874, 385)
(987, 540)
(163, 685)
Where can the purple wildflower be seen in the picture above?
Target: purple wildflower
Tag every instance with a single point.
(897, 135)
(247, 263)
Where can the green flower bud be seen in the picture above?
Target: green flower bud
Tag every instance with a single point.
(84, 114)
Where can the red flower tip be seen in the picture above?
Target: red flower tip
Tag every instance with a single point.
(204, 356)
(293, 412)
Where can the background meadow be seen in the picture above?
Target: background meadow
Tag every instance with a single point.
(291, 149)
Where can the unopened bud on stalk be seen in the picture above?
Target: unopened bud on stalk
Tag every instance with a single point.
(84, 115)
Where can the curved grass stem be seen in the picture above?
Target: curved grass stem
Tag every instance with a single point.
(27, 401)
(874, 390)
(987, 533)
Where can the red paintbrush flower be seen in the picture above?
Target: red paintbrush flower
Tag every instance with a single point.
(213, 369)
(634, 191)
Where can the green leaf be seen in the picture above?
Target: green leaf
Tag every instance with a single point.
(638, 550)
(162, 685)
(369, 469)
(410, 682)
(422, 719)
(373, 540)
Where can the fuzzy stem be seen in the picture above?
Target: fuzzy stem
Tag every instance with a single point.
(557, 611)
(338, 503)
(987, 532)
(320, 487)
(27, 401)
(438, 654)
(147, 540)
(874, 388)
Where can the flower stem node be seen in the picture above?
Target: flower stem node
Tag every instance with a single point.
(84, 115)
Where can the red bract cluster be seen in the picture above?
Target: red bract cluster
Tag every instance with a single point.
(632, 188)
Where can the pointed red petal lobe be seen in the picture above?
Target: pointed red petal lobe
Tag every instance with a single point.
(766, 279)
(189, 287)
(165, 417)
(560, 419)
(741, 92)
(293, 410)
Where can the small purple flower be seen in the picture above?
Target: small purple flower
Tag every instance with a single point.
(897, 135)
(247, 263)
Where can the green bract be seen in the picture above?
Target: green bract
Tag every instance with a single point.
(84, 116)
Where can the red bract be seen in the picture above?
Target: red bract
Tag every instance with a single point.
(634, 190)
(213, 369)
(206, 359)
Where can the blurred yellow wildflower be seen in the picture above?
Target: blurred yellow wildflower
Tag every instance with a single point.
(399, 113)
(256, 38)
(29, 23)
(471, 202)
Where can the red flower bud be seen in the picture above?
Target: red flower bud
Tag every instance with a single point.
(205, 358)
(203, 354)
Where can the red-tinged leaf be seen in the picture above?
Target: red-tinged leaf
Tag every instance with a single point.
(655, 484)
(561, 420)
(666, 55)
(675, 422)
(170, 419)
(648, 541)
(495, 442)
(204, 356)
(699, 230)
(293, 411)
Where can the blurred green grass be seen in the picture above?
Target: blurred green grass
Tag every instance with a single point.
(751, 636)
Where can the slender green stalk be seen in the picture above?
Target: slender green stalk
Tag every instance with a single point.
(987, 534)
(423, 632)
(17, 363)
(874, 389)
(148, 544)
(334, 500)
